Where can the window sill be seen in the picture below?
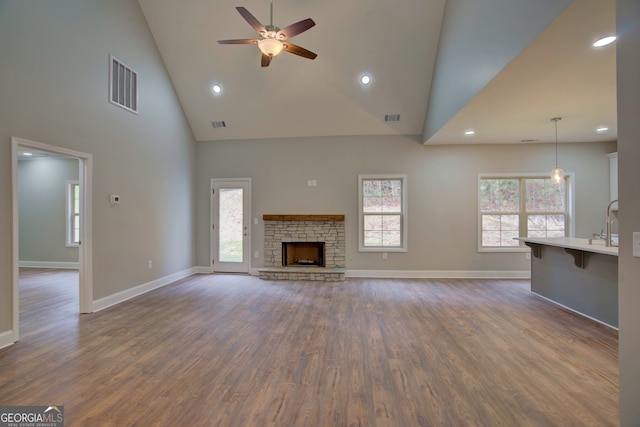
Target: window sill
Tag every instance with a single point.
(363, 249)
(504, 250)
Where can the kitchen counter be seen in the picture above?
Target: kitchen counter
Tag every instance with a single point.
(580, 276)
(597, 246)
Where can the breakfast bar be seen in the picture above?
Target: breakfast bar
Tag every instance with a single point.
(579, 274)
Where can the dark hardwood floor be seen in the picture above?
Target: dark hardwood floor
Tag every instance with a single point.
(229, 350)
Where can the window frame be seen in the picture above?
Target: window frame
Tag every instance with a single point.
(403, 214)
(69, 212)
(570, 211)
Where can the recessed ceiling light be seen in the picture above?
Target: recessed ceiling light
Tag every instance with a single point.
(604, 41)
(216, 89)
(469, 132)
(602, 129)
(365, 79)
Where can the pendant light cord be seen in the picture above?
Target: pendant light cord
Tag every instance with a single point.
(555, 120)
(556, 143)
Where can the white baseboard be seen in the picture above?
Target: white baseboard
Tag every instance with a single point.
(439, 274)
(49, 264)
(6, 339)
(119, 297)
(207, 270)
(430, 274)
(417, 274)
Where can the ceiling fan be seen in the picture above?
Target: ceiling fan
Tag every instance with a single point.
(272, 39)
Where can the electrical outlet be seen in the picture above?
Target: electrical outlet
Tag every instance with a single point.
(255, 221)
(527, 255)
(636, 244)
(256, 254)
(385, 255)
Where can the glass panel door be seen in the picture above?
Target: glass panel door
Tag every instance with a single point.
(230, 226)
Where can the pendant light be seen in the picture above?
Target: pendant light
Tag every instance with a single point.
(557, 174)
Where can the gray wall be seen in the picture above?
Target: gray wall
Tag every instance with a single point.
(54, 68)
(42, 209)
(628, 70)
(442, 184)
(476, 43)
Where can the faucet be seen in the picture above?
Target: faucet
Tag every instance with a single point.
(608, 235)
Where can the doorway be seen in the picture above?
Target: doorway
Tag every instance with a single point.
(85, 285)
(230, 225)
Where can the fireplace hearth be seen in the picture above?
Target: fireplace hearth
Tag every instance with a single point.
(302, 254)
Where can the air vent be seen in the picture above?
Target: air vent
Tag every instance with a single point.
(123, 86)
(392, 117)
(219, 124)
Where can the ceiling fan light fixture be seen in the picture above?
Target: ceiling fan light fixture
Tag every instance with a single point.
(270, 47)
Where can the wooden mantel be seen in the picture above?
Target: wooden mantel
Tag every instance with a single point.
(280, 217)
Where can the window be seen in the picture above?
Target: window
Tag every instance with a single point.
(521, 206)
(382, 222)
(73, 213)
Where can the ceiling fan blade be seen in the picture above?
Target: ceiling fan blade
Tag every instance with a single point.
(266, 60)
(251, 20)
(295, 29)
(238, 41)
(300, 51)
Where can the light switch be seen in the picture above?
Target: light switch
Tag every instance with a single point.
(636, 244)
(255, 221)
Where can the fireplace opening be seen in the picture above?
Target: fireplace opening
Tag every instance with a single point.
(303, 254)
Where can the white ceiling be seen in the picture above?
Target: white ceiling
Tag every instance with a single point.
(558, 74)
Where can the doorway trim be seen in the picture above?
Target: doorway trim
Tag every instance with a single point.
(85, 252)
(212, 206)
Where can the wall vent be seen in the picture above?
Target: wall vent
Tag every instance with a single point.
(392, 117)
(123, 85)
(219, 124)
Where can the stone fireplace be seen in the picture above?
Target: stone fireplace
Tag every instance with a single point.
(304, 247)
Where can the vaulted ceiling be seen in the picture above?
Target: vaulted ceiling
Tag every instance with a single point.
(558, 74)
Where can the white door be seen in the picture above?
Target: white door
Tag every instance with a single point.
(230, 225)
